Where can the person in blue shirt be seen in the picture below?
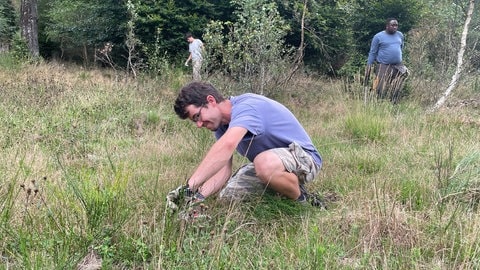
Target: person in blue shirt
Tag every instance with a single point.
(386, 53)
(281, 156)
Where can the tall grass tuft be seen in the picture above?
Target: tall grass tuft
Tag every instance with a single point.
(368, 125)
(464, 183)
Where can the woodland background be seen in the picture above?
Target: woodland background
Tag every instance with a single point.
(243, 37)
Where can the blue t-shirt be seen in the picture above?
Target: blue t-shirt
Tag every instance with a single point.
(386, 48)
(269, 124)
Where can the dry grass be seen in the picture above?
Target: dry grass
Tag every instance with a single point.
(88, 158)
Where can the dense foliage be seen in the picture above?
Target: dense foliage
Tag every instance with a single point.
(8, 24)
(77, 28)
(252, 49)
(335, 33)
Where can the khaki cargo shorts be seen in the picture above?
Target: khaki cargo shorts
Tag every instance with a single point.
(245, 183)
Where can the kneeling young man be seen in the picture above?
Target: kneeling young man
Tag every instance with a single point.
(281, 154)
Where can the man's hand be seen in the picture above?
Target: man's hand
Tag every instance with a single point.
(186, 63)
(182, 195)
(175, 197)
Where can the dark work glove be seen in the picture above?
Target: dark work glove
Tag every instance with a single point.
(182, 195)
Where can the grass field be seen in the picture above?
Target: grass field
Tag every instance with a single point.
(87, 158)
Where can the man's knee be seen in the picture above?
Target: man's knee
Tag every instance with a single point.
(267, 164)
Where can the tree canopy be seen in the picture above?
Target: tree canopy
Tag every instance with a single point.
(336, 33)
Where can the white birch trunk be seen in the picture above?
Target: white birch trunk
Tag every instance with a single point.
(458, 70)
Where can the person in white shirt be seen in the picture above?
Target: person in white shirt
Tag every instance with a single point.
(195, 47)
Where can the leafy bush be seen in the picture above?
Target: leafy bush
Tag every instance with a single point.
(251, 50)
(17, 55)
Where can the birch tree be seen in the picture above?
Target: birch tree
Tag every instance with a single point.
(459, 68)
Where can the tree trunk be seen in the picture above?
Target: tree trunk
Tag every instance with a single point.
(28, 23)
(301, 48)
(458, 71)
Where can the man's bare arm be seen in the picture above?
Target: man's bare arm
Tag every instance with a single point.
(218, 157)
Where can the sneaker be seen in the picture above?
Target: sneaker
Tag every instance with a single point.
(303, 198)
(303, 190)
(314, 199)
(317, 202)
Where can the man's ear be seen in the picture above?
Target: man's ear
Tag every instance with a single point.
(211, 99)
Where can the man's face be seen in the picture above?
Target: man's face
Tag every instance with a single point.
(392, 27)
(204, 116)
(190, 39)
